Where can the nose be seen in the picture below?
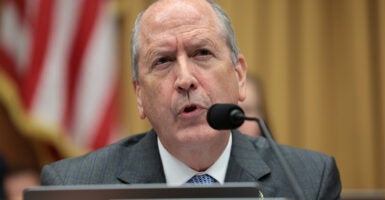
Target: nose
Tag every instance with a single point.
(185, 76)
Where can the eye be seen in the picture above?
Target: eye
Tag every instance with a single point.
(203, 52)
(162, 60)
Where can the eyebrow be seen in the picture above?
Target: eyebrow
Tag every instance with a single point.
(201, 43)
(156, 50)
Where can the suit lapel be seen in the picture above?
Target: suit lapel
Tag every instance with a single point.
(141, 163)
(246, 164)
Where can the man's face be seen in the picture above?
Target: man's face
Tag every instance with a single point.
(184, 68)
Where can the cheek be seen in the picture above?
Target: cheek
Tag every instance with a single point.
(156, 96)
(224, 85)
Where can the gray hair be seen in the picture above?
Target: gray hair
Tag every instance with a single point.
(226, 31)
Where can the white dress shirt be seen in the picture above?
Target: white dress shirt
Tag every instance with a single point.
(178, 173)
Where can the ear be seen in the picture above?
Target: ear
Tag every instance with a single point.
(138, 94)
(241, 70)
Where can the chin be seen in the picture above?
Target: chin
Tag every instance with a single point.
(197, 134)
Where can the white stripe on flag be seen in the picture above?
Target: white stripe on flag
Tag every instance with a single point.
(15, 35)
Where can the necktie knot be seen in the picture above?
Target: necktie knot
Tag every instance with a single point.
(202, 179)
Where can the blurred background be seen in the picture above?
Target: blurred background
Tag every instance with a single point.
(65, 81)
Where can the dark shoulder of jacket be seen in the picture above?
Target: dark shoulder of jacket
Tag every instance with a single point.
(289, 152)
(125, 142)
(134, 139)
(109, 149)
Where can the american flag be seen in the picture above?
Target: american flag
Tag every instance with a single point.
(59, 72)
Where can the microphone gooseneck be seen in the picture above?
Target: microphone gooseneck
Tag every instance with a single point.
(231, 116)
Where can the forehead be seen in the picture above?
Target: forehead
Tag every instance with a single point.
(168, 9)
(165, 15)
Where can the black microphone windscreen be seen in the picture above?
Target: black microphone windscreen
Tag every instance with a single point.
(225, 116)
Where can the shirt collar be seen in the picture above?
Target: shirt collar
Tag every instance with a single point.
(178, 173)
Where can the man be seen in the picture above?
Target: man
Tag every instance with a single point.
(253, 106)
(185, 59)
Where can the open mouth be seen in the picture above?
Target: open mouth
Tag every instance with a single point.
(189, 108)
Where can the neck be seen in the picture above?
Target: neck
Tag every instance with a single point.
(199, 156)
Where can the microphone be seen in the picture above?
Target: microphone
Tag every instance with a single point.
(225, 116)
(231, 116)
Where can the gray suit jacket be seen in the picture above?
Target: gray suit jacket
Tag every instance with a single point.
(137, 160)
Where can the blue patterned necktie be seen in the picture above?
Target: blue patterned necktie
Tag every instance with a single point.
(202, 179)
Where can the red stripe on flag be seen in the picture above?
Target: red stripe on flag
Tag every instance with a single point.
(105, 128)
(89, 11)
(40, 40)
